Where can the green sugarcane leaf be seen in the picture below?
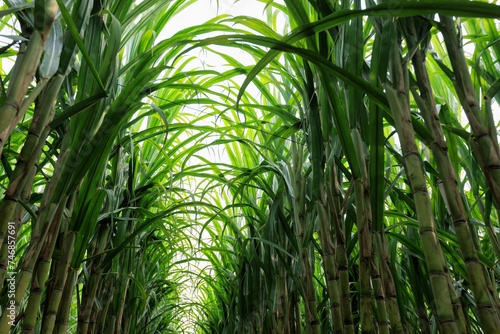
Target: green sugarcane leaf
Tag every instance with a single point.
(53, 48)
(16, 8)
(88, 217)
(74, 32)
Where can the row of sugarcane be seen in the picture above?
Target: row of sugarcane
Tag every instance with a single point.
(324, 190)
(89, 186)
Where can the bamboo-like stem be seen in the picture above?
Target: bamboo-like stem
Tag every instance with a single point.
(377, 189)
(488, 155)
(121, 303)
(333, 196)
(50, 218)
(39, 232)
(300, 219)
(388, 282)
(56, 292)
(96, 310)
(283, 311)
(363, 222)
(45, 12)
(18, 216)
(110, 328)
(399, 104)
(62, 317)
(487, 314)
(331, 273)
(40, 273)
(416, 279)
(90, 289)
(4, 135)
(378, 291)
(31, 150)
(460, 320)
(108, 291)
(37, 286)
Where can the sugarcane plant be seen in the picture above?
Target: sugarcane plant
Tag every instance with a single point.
(358, 191)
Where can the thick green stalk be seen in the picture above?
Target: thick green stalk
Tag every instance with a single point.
(108, 292)
(377, 165)
(31, 150)
(121, 303)
(45, 11)
(4, 135)
(38, 285)
(297, 316)
(90, 289)
(24, 276)
(463, 328)
(4, 253)
(331, 274)
(378, 291)
(388, 282)
(39, 232)
(18, 216)
(399, 104)
(363, 222)
(110, 328)
(300, 219)
(365, 259)
(487, 314)
(283, 311)
(333, 196)
(65, 303)
(488, 155)
(54, 298)
(415, 282)
(96, 310)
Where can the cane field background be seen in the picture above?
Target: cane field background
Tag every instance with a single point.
(251, 166)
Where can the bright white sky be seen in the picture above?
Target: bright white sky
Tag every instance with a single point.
(204, 10)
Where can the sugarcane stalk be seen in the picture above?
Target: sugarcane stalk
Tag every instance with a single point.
(331, 274)
(4, 252)
(62, 317)
(108, 289)
(388, 282)
(40, 273)
(110, 329)
(24, 276)
(487, 314)
(312, 322)
(363, 222)
(56, 292)
(121, 303)
(484, 134)
(18, 216)
(38, 285)
(378, 75)
(90, 289)
(282, 313)
(399, 104)
(460, 319)
(26, 65)
(297, 316)
(96, 311)
(35, 92)
(378, 291)
(31, 150)
(415, 283)
(333, 197)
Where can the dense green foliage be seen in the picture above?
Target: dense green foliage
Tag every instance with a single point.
(359, 189)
